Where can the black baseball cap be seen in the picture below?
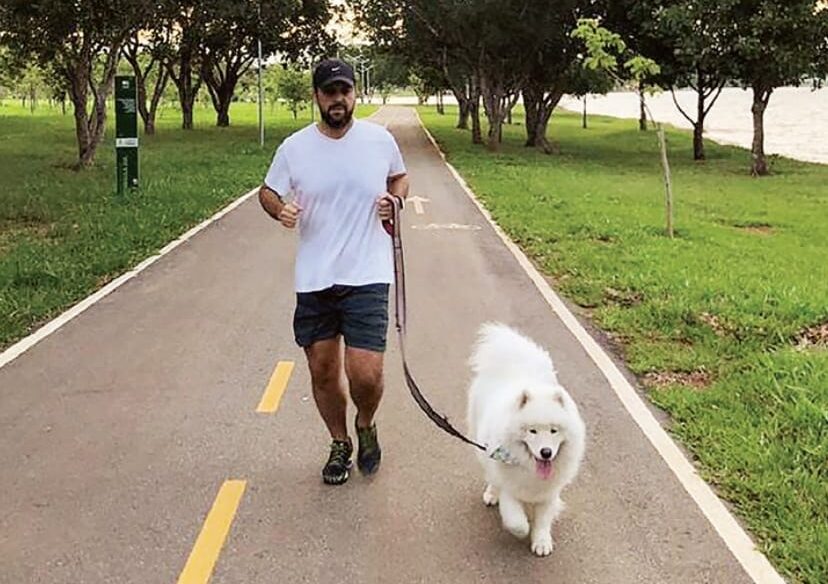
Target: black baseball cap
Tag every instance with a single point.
(330, 71)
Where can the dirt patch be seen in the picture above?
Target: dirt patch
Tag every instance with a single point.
(623, 297)
(755, 228)
(699, 379)
(717, 323)
(814, 336)
(11, 233)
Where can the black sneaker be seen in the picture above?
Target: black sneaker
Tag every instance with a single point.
(369, 454)
(336, 469)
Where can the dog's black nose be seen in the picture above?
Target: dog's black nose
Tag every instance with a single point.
(546, 453)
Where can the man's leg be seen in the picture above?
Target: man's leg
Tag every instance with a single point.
(364, 326)
(364, 371)
(325, 363)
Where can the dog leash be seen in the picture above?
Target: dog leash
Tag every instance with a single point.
(394, 229)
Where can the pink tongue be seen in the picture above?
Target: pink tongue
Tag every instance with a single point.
(543, 468)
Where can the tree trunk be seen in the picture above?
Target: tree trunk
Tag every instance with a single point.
(539, 105)
(187, 104)
(90, 126)
(642, 116)
(141, 90)
(474, 111)
(698, 125)
(761, 96)
(221, 97)
(532, 97)
(463, 106)
(223, 116)
(698, 141)
(493, 94)
(147, 110)
(187, 88)
(157, 94)
(584, 119)
(78, 82)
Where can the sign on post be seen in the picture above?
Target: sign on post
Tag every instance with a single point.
(126, 133)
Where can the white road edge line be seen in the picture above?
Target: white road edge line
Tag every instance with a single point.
(737, 540)
(28, 342)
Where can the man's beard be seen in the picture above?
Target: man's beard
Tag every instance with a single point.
(337, 123)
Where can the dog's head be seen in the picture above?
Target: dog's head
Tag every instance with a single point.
(545, 420)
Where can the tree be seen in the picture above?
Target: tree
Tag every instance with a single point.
(147, 65)
(389, 73)
(692, 42)
(604, 50)
(404, 28)
(584, 81)
(492, 50)
(776, 43)
(634, 21)
(294, 86)
(424, 82)
(178, 36)
(552, 54)
(71, 37)
(28, 82)
(232, 29)
(270, 83)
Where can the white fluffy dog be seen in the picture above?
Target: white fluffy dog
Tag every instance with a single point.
(531, 428)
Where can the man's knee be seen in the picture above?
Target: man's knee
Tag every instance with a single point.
(324, 363)
(364, 369)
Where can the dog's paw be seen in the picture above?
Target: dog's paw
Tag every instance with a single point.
(490, 496)
(520, 529)
(542, 545)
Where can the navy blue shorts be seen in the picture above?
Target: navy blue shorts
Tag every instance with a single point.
(358, 313)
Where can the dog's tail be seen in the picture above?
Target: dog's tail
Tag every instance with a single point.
(501, 351)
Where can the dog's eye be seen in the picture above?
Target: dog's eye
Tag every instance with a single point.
(554, 430)
(533, 431)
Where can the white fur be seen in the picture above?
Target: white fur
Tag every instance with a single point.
(516, 403)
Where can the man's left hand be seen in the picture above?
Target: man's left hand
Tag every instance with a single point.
(385, 207)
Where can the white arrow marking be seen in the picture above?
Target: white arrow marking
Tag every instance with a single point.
(418, 203)
(450, 226)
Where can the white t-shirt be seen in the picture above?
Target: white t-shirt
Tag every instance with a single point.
(336, 182)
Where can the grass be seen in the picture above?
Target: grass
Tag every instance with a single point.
(64, 234)
(709, 321)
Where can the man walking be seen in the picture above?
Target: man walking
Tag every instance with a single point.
(334, 180)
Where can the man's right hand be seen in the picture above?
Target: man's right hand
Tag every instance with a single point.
(289, 215)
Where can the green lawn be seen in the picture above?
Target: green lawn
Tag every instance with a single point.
(63, 233)
(709, 321)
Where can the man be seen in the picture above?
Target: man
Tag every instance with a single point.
(335, 180)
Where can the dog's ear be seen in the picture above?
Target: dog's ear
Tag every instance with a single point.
(524, 399)
(559, 398)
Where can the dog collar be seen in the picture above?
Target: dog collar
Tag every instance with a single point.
(502, 454)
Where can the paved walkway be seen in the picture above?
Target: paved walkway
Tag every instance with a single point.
(122, 430)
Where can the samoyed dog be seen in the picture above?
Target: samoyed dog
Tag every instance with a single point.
(531, 428)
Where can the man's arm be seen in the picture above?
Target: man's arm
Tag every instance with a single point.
(285, 213)
(398, 185)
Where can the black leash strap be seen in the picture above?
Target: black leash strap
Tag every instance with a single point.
(394, 229)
